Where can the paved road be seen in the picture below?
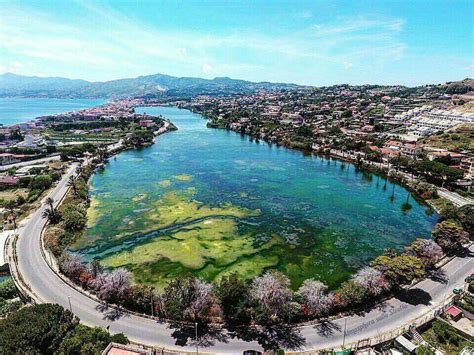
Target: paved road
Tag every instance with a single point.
(455, 198)
(50, 288)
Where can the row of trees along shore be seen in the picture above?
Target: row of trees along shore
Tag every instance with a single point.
(267, 299)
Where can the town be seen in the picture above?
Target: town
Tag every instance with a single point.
(425, 130)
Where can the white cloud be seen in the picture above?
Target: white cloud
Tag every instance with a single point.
(107, 45)
(207, 69)
(347, 65)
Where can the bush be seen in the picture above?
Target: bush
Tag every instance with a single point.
(8, 289)
(85, 340)
(24, 181)
(52, 237)
(41, 182)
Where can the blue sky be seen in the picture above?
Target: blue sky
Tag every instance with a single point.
(305, 42)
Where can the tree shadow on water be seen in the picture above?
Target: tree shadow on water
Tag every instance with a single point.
(207, 335)
(414, 296)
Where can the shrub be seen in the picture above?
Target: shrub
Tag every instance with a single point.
(450, 236)
(41, 182)
(8, 289)
(399, 269)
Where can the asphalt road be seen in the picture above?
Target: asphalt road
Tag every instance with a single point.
(454, 197)
(52, 289)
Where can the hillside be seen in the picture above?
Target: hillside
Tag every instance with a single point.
(18, 85)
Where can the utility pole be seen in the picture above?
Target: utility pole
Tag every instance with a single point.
(344, 334)
(152, 308)
(196, 337)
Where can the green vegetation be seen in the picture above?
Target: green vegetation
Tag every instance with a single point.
(20, 200)
(443, 336)
(8, 293)
(49, 329)
(462, 138)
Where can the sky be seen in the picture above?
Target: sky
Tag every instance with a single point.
(314, 42)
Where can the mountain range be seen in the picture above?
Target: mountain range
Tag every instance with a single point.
(150, 85)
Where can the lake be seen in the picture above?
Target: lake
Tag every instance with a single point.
(212, 202)
(17, 110)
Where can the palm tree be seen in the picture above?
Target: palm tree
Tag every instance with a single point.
(72, 184)
(51, 213)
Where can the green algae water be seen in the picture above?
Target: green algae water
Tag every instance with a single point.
(212, 202)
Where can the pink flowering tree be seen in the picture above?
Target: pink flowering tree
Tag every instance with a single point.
(372, 280)
(112, 286)
(202, 301)
(316, 302)
(427, 250)
(272, 294)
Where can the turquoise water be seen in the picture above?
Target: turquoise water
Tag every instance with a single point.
(305, 215)
(18, 110)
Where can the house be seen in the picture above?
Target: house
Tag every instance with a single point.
(9, 158)
(146, 123)
(453, 313)
(455, 157)
(120, 349)
(9, 180)
(405, 345)
(31, 142)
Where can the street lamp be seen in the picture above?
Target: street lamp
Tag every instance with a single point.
(344, 334)
(196, 337)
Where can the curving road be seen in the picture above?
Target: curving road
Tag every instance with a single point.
(49, 288)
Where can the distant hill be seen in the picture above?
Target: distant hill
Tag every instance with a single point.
(157, 84)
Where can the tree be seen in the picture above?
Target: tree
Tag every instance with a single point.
(372, 280)
(233, 295)
(203, 301)
(41, 182)
(35, 330)
(73, 267)
(450, 236)
(399, 269)
(351, 292)
(144, 299)
(427, 250)
(188, 298)
(316, 302)
(74, 217)
(71, 182)
(51, 213)
(272, 295)
(464, 215)
(85, 340)
(114, 286)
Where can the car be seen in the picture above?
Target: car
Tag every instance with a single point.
(469, 279)
(457, 291)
